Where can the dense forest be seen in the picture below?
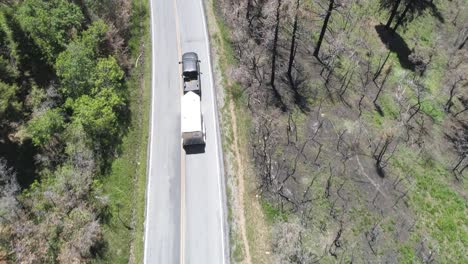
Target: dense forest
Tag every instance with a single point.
(63, 111)
(357, 130)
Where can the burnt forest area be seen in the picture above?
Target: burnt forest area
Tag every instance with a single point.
(358, 129)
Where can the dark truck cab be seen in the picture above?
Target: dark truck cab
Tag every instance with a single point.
(191, 72)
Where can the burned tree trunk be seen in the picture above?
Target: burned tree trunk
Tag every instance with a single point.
(381, 86)
(449, 103)
(292, 50)
(379, 155)
(393, 14)
(402, 16)
(273, 60)
(324, 28)
(463, 43)
(376, 75)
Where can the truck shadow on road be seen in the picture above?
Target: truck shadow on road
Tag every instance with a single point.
(194, 149)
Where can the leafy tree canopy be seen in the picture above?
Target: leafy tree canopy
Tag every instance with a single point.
(44, 126)
(108, 74)
(76, 65)
(50, 24)
(98, 114)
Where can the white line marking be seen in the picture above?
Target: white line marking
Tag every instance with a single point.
(151, 133)
(220, 173)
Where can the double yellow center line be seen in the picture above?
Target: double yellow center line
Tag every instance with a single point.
(182, 154)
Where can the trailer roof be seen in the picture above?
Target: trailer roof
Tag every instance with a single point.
(191, 113)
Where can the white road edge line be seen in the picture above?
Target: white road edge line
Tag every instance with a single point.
(148, 178)
(218, 136)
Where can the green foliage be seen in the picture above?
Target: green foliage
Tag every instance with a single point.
(94, 35)
(108, 75)
(407, 254)
(44, 126)
(74, 68)
(420, 31)
(432, 109)
(35, 97)
(44, 49)
(50, 24)
(122, 247)
(436, 72)
(76, 65)
(98, 114)
(8, 98)
(7, 70)
(272, 213)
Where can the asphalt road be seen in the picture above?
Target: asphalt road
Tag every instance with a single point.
(185, 211)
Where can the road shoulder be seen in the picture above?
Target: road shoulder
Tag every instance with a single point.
(248, 233)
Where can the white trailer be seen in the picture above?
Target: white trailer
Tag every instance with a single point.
(192, 126)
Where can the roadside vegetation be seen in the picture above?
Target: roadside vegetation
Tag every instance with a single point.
(353, 116)
(73, 128)
(248, 233)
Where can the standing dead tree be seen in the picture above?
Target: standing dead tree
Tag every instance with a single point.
(274, 55)
(412, 8)
(393, 13)
(262, 153)
(336, 241)
(380, 154)
(293, 49)
(381, 66)
(380, 89)
(331, 6)
(459, 141)
(372, 236)
(454, 86)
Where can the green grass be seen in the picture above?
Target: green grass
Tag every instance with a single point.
(272, 213)
(389, 106)
(237, 252)
(407, 254)
(433, 109)
(442, 212)
(228, 51)
(126, 183)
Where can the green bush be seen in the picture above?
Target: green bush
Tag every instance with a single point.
(44, 126)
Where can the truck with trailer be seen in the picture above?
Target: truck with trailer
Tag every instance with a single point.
(192, 125)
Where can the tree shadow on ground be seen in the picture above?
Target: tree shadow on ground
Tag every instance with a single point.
(302, 103)
(395, 43)
(20, 157)
(32, 60)
(380, 171)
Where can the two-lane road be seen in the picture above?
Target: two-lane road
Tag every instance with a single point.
(185, 216)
